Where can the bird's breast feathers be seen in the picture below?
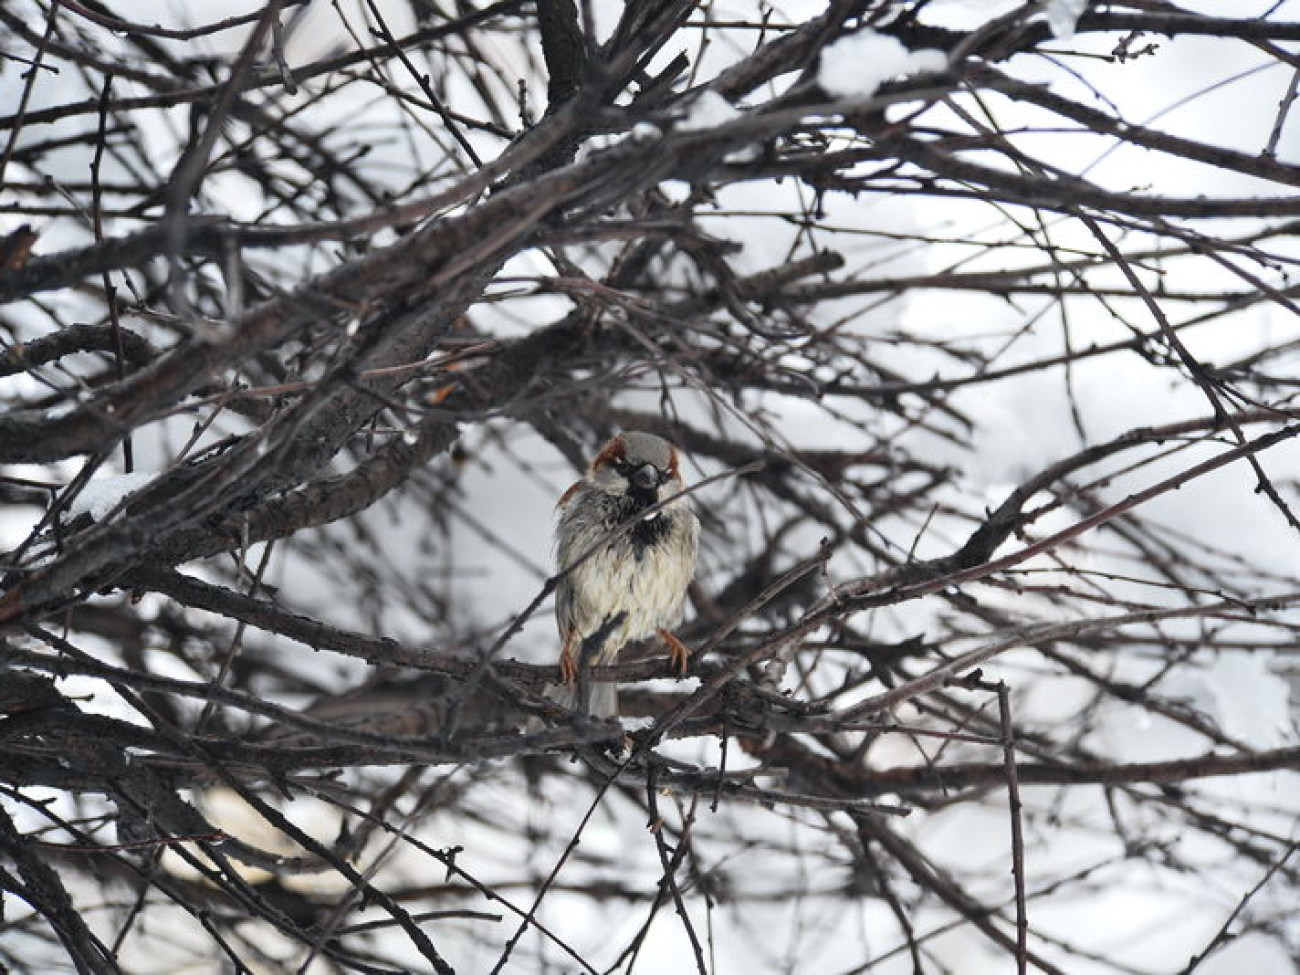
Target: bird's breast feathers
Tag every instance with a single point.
(643, 573)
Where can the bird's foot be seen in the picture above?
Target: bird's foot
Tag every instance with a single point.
(678, 651)
(568, 665)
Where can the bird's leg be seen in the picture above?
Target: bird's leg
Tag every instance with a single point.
(568, 662)
(679, 652)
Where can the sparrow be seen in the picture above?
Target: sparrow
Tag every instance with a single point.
(624, 564)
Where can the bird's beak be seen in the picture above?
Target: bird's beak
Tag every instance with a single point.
(646, 477)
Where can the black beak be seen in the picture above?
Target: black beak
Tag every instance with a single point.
(646, 477)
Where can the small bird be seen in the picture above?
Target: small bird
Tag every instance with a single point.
(624, 568)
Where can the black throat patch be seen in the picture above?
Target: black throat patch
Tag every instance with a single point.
(646, 532)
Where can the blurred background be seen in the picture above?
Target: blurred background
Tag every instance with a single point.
(975, 325)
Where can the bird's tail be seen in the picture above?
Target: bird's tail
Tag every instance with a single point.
(601, 697)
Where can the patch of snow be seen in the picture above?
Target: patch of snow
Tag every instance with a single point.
(102, 494)
(856, 65)
(646, 132)
(1063, 16)
(708, 110)
(597, 143)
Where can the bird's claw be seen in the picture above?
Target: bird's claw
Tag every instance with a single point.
(568, 665)
(678, 651)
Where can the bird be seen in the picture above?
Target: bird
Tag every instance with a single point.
(625, 541)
